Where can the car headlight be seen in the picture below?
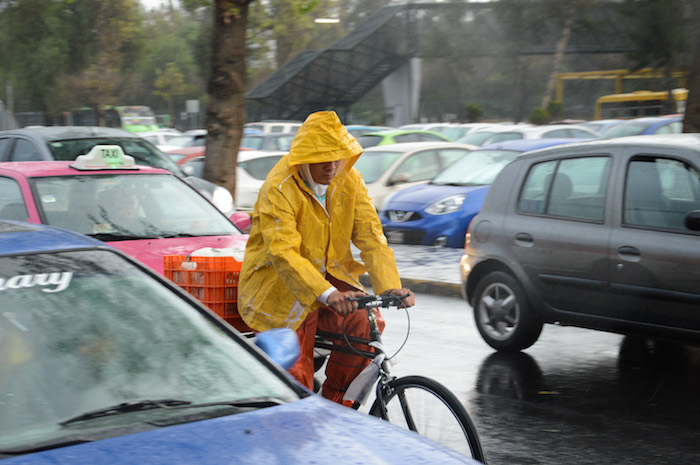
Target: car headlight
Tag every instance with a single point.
(223, 199)
(447, 205)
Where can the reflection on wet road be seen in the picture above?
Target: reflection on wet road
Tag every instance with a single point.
(575, 397)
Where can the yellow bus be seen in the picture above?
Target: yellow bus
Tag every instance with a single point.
(637, 104)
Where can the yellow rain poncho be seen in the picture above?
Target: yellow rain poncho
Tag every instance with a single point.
(294, 241)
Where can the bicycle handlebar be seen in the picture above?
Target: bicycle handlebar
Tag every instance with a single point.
(375, 301)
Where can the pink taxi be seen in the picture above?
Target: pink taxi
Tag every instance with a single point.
(146, 212)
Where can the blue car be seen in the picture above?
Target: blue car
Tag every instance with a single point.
(439, 212)
(105, 362)
(645, 126)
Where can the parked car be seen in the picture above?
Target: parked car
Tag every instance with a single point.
(268, 141)
(548, 131)
(390, 168)
(146, 212)
(601, 235)
(358, 129)
(68, 142)
(190, 138)
(602, 125)
(394, 136)
(251, 171)
(274, 126)
(160, 138)
(480, 135)
(105, 362)
(438, 213)
(646, 126)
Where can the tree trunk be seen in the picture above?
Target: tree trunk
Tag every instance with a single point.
(558, 56)
(226, 111)
(691, 121)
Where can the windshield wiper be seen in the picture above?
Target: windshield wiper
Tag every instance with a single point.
(110, 237)
(126, 407)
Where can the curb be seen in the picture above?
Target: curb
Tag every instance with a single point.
(423, 286)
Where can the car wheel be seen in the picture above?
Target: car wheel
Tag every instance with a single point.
(503, 315)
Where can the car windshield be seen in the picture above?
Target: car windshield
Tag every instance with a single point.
(128, 206)
(479, 167)
(143, 152)
(623, 130)
(368, 140)
(475, 138)
(372, 165)
(84, 330)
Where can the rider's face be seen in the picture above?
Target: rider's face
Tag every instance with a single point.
(323, 173)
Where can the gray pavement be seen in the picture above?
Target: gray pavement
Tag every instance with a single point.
(431, 270)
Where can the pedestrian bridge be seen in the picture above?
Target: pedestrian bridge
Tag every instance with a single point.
(338, 76)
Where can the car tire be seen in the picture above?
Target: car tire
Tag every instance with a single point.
(503, 314)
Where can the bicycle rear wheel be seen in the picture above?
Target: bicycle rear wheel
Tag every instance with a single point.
(427, 407)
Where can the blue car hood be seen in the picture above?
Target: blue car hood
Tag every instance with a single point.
(312, 430)
(425, 194)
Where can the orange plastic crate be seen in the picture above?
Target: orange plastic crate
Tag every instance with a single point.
(213, 281)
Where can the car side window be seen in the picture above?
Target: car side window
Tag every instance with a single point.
(421, 166)
(409, 137)
(24, 151)
(557, 133)
(571, 188)
(11, 201)
(671, 128)
(660, 192)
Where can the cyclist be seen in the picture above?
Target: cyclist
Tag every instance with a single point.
(298, 269)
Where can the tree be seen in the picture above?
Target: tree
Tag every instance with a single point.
(659, 36)
(170, 83)
(226, 110)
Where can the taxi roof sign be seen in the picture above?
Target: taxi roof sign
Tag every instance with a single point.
(105, 157)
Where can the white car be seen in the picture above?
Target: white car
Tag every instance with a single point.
(251, 171)
(160, 138)
(389, 168)
(548, 131)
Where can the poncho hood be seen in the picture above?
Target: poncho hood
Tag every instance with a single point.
(321, 139)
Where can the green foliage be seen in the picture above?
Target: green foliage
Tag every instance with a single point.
(472, 113)
(555, 109)
(540, 116)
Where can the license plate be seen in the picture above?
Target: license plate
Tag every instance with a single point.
(395, 237)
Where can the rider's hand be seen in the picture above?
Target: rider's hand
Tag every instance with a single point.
(409, 300)
(339, 302)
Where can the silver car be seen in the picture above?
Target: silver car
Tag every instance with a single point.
(602, 235)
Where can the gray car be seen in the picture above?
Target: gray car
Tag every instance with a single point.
(47, 143)
(602, 235)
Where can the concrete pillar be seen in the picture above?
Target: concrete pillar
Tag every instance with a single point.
(402, 93)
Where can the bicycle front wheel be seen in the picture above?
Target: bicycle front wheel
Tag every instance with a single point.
(427, 407)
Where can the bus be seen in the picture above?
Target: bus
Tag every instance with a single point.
(133, 118)
(638, 104)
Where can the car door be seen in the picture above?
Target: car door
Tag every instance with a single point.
(561, 229)
(655, 274)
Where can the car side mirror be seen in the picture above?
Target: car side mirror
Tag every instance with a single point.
(281, 345)
(692, 220)
(399, 178)
(241, 220)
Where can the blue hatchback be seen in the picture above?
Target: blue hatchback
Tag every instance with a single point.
(439, 212)
(103, 361)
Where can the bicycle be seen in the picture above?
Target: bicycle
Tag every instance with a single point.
(416, 403)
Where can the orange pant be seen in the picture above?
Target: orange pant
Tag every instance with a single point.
(341, 368)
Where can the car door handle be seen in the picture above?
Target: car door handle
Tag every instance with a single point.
(524, 239)
(628, 251)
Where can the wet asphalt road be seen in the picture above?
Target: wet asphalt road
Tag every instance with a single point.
(575, 397)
